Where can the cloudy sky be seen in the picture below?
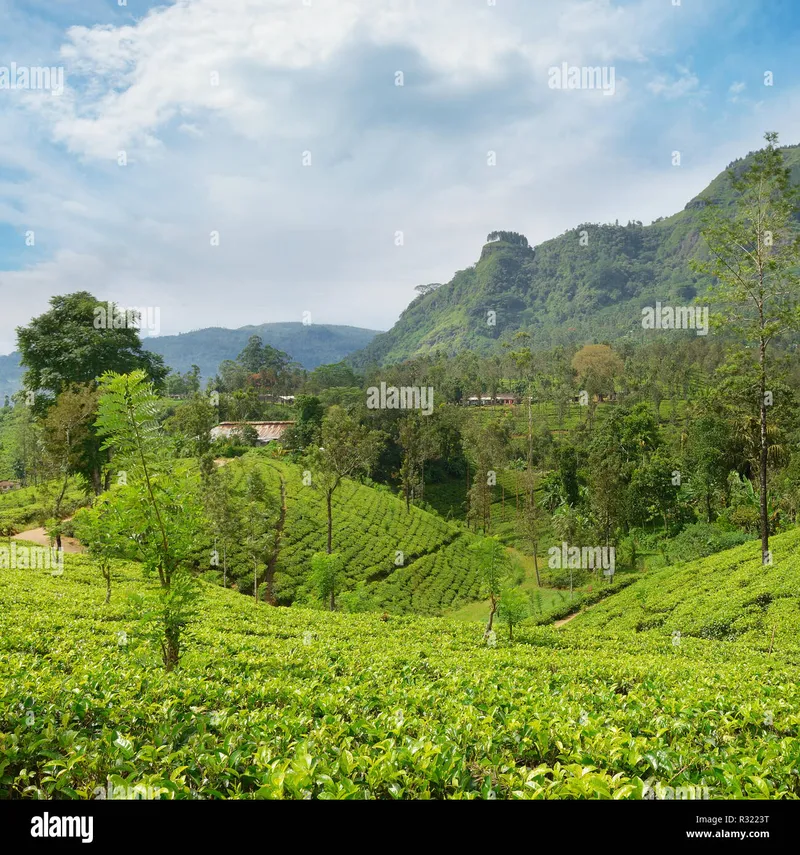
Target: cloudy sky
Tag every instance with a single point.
(280, 126)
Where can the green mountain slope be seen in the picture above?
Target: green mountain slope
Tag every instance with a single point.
(728, 596)
(411, 561)
(565, 289)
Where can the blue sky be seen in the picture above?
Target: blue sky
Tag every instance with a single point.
(321, 237)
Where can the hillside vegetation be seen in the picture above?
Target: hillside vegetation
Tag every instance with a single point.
(565, 289)
(726, 596)
(310, 345)
(293, 703)
(409, 560)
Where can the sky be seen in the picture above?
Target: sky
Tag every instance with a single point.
(235, 162)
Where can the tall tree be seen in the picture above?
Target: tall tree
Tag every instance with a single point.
(495, 569)
(755, 254)
(157, 508)
(348, 449)
(63, 347)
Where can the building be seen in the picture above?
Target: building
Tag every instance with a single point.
(487, 400)
(8, 486)
(267, 431)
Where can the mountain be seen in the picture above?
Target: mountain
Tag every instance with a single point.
(310, 345)
(10, 375)
(589, 284)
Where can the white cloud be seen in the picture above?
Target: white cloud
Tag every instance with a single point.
(385, 158)
(686, 83)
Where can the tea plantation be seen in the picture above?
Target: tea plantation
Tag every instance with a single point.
(293, 703)
(410, 560)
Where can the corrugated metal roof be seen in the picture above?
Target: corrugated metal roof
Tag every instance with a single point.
(267, 431)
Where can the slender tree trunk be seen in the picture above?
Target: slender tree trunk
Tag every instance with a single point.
(171, 647)
(530, 429)
(97, 484)
(763, 453)
(330, 520)
(491, 616)
(536, 564)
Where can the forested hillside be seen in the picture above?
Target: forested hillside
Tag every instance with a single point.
(309, 345)
(587, 285)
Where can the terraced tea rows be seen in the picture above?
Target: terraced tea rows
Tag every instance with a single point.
(291, 703)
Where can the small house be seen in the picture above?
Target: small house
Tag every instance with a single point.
(267, 431)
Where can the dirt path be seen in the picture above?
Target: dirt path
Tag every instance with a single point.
(40, 537)
(567, 619)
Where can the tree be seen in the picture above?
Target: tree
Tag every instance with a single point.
(220, 508)
(597, 367)
(755, 254)
(707, 459)
(192, 423)
(158, 511)
(308, 424)
(71, 441)
(330, 377)
(348, 449)
(63, 347)
(495, 569)
(259, 506)
(424, 290)
(418, 442)
(513, 608)
(96, 528)
(531, 519)
(325, 572)
(258, 358)
(487, 444)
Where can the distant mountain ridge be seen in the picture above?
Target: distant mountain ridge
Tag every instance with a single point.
(10, 375)
(310, 345)
(586, 285)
